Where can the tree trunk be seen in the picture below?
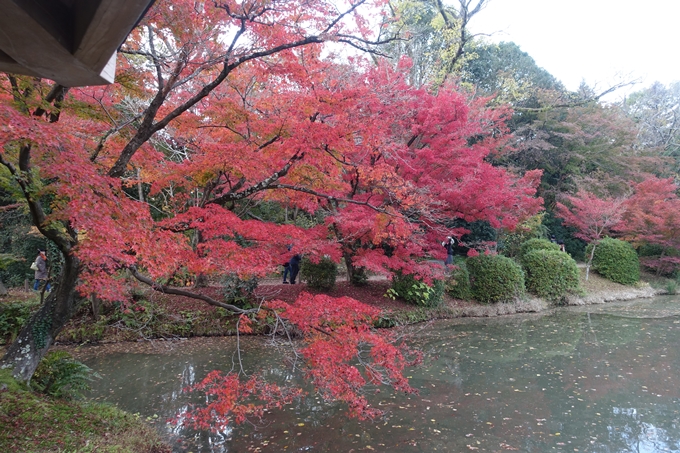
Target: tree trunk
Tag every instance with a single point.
(658, 268)
(96, 306)
(349, 265)
(356, 275)
(590, 260)
(3, 289)
(39, 333)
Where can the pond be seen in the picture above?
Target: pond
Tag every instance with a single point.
(601, 378)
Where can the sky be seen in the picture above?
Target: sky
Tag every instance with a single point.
(601, 42)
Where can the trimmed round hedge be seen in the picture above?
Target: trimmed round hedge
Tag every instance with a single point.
(495, 278)
(321, 275)
(536, 244)
(550, 274)
(616, 260)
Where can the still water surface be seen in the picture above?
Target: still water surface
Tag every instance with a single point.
(599, 378)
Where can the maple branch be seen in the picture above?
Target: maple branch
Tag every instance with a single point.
(342, 161)
(149, 128)
(271, 141)
(364, 49)
(262, 185)
(179, 292)
(109, 133)
(154, 58)
(328, 197)
(342, 15)
(274, 332)
(22, 176)
(19, 97)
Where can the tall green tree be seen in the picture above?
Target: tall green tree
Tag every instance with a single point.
(435, 37)
(503, 70)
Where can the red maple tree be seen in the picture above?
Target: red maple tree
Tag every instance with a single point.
(222, 105)
(593, 217)
(653, 218)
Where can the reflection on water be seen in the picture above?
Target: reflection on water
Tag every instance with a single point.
(588, 379)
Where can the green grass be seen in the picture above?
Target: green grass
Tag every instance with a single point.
(34, 423)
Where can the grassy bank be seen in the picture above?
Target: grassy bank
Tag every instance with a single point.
(33, 423)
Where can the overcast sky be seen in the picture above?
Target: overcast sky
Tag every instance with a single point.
(599, 41)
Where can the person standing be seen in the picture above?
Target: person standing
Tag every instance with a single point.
(41, 270)
(286, 265)
(286, 272)
(294, 265)
(449, 245)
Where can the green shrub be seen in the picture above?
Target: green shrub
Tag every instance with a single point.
(536, 244)
(495, 278)
(321, 275)
(61, 376)
(550, 274)
(510, 242)
(238, 291)
(415, 291)
(13, 315)
(649, 250)
(616, 260)
(457, 283)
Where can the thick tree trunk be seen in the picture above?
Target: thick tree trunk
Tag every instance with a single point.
(201, 280)
(355, 275)
(96, 306)
(39, 333)
(349, 266)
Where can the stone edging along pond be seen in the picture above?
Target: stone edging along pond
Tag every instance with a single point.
(531, 304)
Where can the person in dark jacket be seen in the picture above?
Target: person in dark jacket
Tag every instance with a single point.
(294, 264)
(41, 271)
(449, 245)
(286, 266)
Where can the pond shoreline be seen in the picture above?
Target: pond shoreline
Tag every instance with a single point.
(180, 317)
(596, 290)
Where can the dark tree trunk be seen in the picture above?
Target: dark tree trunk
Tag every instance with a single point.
(200, 280)
(355, 275)
(96, 306)
(39, 333)
(3, 289)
